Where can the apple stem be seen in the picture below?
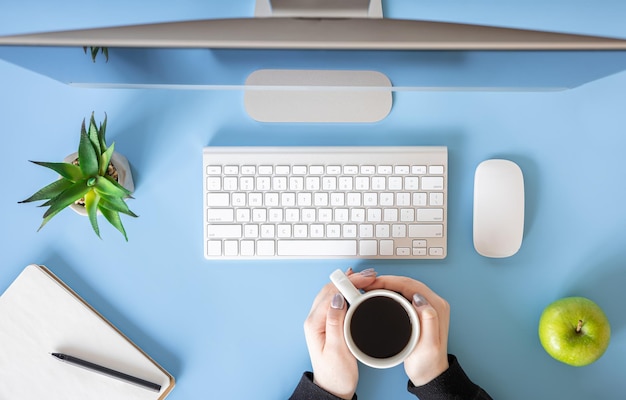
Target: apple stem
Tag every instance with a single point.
(579, 326)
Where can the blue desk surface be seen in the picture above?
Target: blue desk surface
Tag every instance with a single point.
(233, 330)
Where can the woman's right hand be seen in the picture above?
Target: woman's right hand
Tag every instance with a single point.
(430, 357)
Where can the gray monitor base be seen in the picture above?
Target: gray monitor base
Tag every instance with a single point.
(273, 95)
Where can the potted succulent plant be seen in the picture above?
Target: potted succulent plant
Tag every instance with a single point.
(95, 180)
(94, 52)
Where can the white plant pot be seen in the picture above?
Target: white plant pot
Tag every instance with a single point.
(124, 176)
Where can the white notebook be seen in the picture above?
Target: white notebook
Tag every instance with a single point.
(41, 315)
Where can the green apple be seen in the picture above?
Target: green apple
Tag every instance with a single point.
(574, 330)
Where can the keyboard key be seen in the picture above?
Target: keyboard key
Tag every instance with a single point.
(231, 170)
(214, 169)
(251, 231)
(333, 169)
(342, 214)
(407, 215)
(435, 251)
(401, 169)
(333, 230)
(287, 199)
(259, 215)
(299, 169)
(382, 231)
(425, 231)
(246, 248)
(214, 183)
(230, 183)
(398, 230)
(350, 169)
(316, 169)
(432, 183)
(411, 183)
(316, 230)
(368, 247)
(248, 170)
(430, 215)
(390, 214)
(300, 231)
(317, 247)
(395, 183)
(386, 247)
(337, 199)
(379, 183)
(418, 169)
(255, 199)
(403, 199)
(217, 200)
(214, 247)
(265, 247)
(267, 230)
(349, 230)
(362, 183)
(231, 248)
(243, 215)
(420, 251)
(403, 251)
(374, 215)
(436, 199)
(283, 231)
(224, 231)
(366, 230)
(419, 243)
(221, 214)
(368, 169)
(266, 170)
(419, 199)
(435, 169)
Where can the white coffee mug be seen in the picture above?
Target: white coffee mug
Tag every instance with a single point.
(381, 327)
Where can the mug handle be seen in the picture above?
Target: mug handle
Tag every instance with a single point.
(345, 286)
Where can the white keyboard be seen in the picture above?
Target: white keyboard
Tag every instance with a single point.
(325, 202)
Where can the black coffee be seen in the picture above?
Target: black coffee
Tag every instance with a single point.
(380, 327)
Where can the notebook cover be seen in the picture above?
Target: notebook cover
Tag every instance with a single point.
(41, 315)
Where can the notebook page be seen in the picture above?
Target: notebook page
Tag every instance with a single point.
(40, 316)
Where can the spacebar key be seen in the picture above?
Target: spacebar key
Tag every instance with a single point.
(317, 248)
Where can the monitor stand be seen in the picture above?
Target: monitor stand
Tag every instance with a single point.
(273, 95)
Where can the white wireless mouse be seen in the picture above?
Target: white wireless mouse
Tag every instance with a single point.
(498, 208)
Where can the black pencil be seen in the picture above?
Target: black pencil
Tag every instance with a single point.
(107, 371)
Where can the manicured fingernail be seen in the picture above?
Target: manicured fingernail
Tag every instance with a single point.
(337, 302)
(349, 271)
(419, 300)
(368, 272)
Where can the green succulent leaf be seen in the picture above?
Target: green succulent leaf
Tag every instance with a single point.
(92, 200)
(116, 204)
(87, 156)
(102, 131)
(108, 187)
(66, 170)
(64, 199)
(94, 136)
(50, 191)
(114, 219)
(106, 159)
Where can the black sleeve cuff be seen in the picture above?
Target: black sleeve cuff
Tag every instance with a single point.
(307, 390)
(452, 384)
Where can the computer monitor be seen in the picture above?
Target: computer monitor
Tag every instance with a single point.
(360, 54)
